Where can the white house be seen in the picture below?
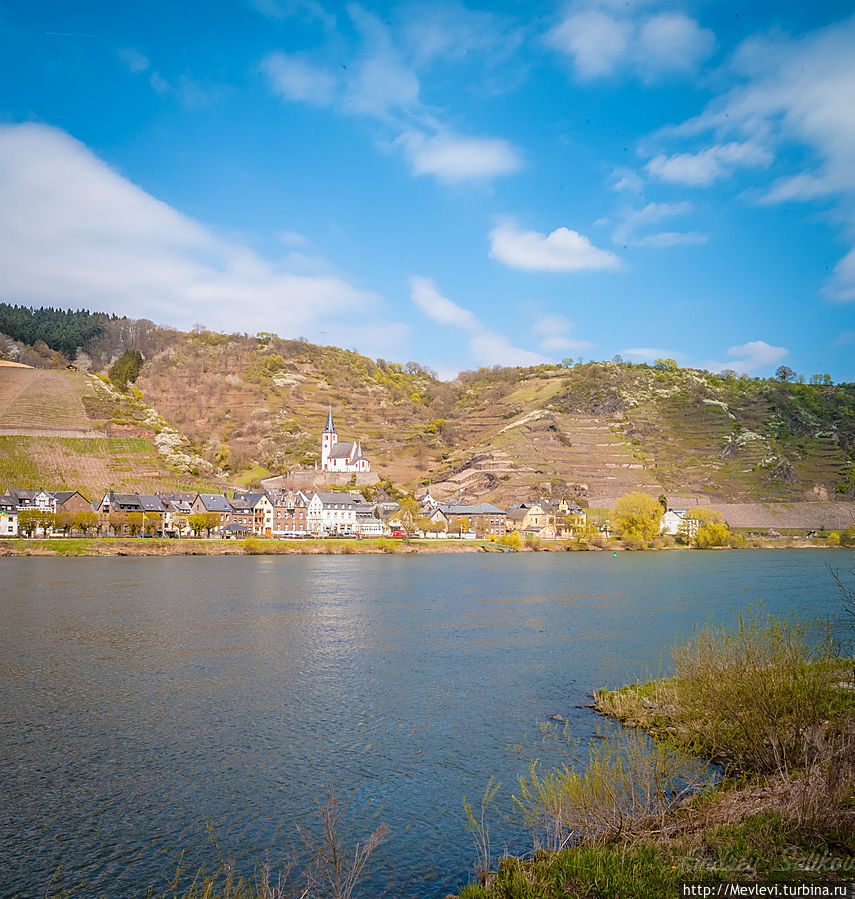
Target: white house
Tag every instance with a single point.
(8, 517)
(341, 456)
(331, 513)
(675, 522)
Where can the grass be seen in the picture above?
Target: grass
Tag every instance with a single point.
(768, 846)
(91, 465)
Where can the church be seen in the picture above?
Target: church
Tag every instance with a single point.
(345, 456)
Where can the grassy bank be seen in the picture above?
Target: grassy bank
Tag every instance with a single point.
(190, 546)
(138, 546)
(774, 704)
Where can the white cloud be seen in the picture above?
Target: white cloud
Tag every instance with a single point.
(627, 180)
(380, 83)
(74, 233)
(789, 92)
(424, 294)
(602, 44)
(451, 157)
(562, 250)
(134, 60)
(756, 354)
(672, 239)
(672, 42)
(488, 347)
(596, 41)
(634, 219)
(844, 338)
(706, 166)
(298, 80)
(555, 333)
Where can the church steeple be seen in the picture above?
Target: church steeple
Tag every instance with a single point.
(330, 428)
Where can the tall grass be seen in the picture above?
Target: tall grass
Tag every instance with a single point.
(629, 780)
(753, 693)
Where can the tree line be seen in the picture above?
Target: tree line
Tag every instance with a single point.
(62, 330)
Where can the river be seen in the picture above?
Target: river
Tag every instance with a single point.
(143, 697)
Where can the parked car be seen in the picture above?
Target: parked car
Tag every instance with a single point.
(398, 534)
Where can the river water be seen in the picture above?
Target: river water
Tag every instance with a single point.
(142, 698)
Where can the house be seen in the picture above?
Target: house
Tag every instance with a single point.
(368, 524)
(531, 520)
(331, 513)
(485, 519)
(8, 517)
(33, 499)
(242, 515)
(177, 508)
(119, 502)
(152, 510)
(567, 518)
(344, 456)
(262, 513)
(289, 511)
(214, 503)
(675, 522)
(71, 501)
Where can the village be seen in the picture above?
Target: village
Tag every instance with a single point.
(337, 499)
(344, 512)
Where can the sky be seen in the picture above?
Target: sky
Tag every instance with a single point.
(499, 183)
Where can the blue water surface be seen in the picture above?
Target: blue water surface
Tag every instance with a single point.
(142, 698)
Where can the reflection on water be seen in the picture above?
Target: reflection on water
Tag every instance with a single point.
(140, 698)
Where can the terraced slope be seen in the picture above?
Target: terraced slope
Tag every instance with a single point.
(39, 402)
(64, 430)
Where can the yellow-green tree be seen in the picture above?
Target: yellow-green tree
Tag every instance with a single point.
(712, 530)
(135, 523)
(408, 514)
(118, 522)
(28, 521)
(461, 525)
(85, 522)
(638, 515)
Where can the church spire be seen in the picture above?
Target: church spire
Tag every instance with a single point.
(330, 428)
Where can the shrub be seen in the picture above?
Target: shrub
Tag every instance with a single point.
(751, 694)
(533, 543)
(629, 778)
(512, 539)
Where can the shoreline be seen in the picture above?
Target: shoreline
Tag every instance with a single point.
(107, 547)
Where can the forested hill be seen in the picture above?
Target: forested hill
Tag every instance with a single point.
(255, 405)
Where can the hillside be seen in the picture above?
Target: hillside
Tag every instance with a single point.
(250, 407)
(65, 430)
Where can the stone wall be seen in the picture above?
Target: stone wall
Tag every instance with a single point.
(317, 480)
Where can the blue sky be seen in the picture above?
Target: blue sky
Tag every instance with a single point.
(496, 183)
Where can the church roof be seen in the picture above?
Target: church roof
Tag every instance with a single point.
(342, 450)
(330, 428)
(358, 454)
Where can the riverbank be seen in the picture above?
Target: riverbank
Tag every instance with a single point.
(189, 546)
(780, 723)
(139, 546)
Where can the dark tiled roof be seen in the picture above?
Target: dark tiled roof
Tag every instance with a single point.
(215, 502)
(150, 503)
